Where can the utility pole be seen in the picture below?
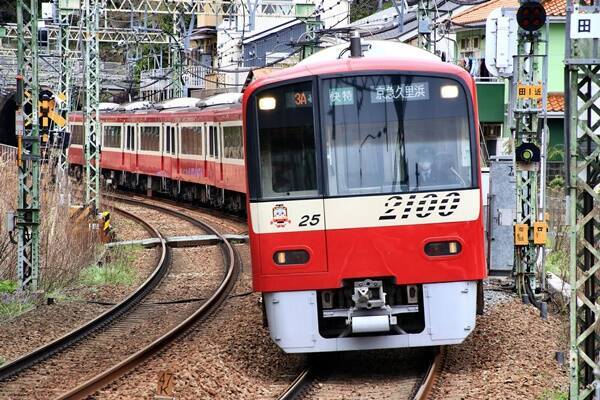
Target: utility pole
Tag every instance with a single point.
(582, 90)
(63, 101)
(176, 58)
(28, 138)
(528, 109)
(92, 105)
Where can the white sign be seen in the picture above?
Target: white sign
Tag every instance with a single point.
(585, 26)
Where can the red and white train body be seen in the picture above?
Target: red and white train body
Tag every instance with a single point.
(360, 177)
(364, 205)
(182, 150)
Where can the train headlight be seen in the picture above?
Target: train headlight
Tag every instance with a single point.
(450, 248)
(449, 91)
(267, 103)
(291, 257)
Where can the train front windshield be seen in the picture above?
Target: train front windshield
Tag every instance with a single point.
(380, 134)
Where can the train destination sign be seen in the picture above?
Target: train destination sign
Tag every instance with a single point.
(413, 91)
(298, 99)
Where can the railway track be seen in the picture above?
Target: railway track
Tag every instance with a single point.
(89, 351)
(413, 380)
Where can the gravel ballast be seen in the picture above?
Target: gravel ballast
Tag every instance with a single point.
(510, 355)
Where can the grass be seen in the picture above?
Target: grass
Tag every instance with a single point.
(116, 271)
(13, 303)
(12, 309)
(558, 263)
(555, 395)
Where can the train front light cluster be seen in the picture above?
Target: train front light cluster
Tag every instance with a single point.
(448, 248)
(291, 257)
(449, 91)
(267, 103)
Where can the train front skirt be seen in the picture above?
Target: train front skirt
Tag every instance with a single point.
(448, 309)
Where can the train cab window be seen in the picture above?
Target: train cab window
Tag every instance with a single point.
(150, 138)
(232, 142)
(77, 134)
(213, 141)
(286, 140)
(397, 133)
(191, 140)
(111, 136)
(130, 139)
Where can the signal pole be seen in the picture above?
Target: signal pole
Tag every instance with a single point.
(424, 21)
(92, 105)
(582, 90)
(528, 109)
(28, 138)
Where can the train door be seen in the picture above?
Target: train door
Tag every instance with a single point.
(213, 153)
(220, 150)
(129, 152)
(169, 149)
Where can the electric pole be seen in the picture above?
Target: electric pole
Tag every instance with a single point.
(582, 91)
(528, 109)
(92, 105)
(28, 138)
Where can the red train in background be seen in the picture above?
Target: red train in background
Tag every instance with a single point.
(186, 148)
(364, 193)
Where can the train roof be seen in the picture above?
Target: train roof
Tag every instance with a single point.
(378, 55)
(221, 107)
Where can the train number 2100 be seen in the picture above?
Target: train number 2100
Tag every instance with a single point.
(311, 220)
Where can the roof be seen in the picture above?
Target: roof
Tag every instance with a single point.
(384, 24)
(556, 102)
(478, 14)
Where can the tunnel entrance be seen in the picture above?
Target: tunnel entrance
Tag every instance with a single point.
(7, 121)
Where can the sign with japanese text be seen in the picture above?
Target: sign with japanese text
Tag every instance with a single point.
(530, 91)
(400, 92)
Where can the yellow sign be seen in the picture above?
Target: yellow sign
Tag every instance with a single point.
(530, 91)
(164, 386)
(521, 234)
(540, 232)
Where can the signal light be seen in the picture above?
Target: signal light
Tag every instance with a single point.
(291, 257)
(436, 249)
(527, 153)
(531, 16)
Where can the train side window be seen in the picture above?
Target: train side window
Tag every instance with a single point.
(232, 142)
(77, 134)
(150, 138)
(173, 147)
(191, 140)
(286, 135)
(111, 136)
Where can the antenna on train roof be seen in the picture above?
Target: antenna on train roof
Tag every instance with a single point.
(355, 45)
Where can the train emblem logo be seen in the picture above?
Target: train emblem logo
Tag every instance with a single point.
(280, 216)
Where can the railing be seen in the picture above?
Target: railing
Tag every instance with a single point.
(7, 153)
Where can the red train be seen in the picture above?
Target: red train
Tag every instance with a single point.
(183, 147)
(364, 194)
(364, 205)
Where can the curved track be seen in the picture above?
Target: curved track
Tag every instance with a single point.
(101, 332)
(413, 382)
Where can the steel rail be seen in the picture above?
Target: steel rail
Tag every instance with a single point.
(305, 378)
(19, 364)
(211, 304)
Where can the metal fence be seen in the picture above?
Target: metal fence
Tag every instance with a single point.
(8, 153)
